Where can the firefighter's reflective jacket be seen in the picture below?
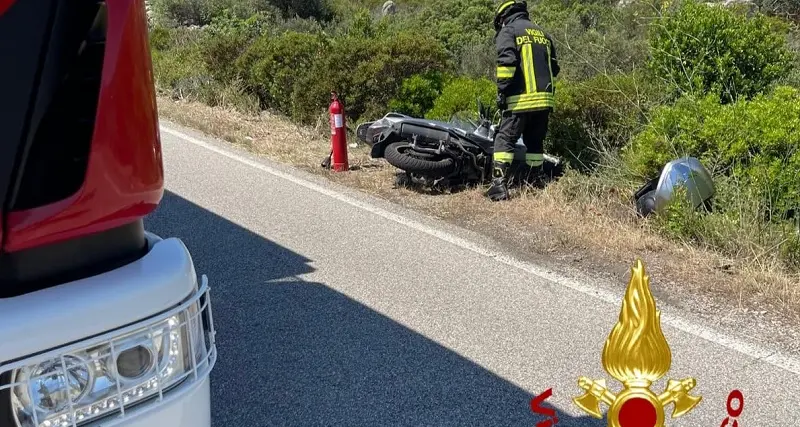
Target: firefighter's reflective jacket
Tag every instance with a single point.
(526, 65)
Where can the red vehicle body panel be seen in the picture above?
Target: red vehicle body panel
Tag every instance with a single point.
(124, 178)
(5, 4)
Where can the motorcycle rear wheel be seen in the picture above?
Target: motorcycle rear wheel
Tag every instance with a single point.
(397, 155)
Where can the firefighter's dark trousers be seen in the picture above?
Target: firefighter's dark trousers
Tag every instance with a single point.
(532, 126)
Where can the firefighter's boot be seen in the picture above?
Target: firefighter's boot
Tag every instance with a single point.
(499, 189)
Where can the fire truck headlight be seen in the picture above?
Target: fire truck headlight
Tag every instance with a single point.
(108, 378)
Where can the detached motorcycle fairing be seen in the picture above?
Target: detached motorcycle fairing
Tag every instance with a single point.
(687, 172)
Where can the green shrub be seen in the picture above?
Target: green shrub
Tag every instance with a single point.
(203, 12)
(318, 9)
(594, 37)
(183, 12)
(273, 64)
(757, 142)
(478, 60)
(360, 24)
(701, 49)
(789, 9)
(342, 8)
(160, 38)
(179, 69)
(244, 9)
(366, 72)
(597, 117)
(794, 44)
(461, 95)
(458, 23)
(417, 94)
(226, 38)
(230, 95)
(735, 226)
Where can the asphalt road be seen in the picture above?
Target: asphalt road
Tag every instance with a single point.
(333, 308)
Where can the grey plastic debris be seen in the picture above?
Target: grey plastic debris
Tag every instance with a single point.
(686, 172)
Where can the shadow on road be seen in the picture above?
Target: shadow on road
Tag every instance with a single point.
(298, 353)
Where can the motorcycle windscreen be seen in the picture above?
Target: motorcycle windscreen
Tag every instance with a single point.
(463, 121)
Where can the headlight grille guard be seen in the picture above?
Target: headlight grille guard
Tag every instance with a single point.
(195, 310)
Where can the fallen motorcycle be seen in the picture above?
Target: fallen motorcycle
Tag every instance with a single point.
(437, 153)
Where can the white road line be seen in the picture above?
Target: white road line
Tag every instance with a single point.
(774, 358)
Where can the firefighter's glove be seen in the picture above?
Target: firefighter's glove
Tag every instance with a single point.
(502, 104)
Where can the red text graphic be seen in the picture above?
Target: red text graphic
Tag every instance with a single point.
(538, 408)
(735, 406)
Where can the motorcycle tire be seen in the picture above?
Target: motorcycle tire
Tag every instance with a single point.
(396, 155)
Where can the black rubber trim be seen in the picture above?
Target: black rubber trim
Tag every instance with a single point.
(42, 267)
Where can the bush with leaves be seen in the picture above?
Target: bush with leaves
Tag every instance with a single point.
(182, 12)
(178, 63)
(161, 39)
(418, 94)
(317, 9)
(757, 142)
(367, 72)
(701, 49)
(203, 12)
(272, 65)
(461, 96)
(226, 38)
(597, 117)
(789, 9)
(595, 37)
(458, 23)
(735, 226)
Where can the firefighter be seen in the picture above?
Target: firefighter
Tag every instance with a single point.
(526, 66)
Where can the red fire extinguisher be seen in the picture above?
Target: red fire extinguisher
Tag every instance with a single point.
(338, 135)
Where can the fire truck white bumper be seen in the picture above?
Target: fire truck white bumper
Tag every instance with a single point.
(183, 408)
(86, 339)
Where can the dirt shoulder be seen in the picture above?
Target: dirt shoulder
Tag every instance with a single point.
(574, 221)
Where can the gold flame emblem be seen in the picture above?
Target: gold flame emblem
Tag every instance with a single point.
(637, 354)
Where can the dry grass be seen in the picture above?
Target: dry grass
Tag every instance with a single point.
(579, 219)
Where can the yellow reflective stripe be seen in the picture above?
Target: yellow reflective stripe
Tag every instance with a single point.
(505, 72)
(530, 107)
(549, 67)
(503, 157)
(534, 159)
(529, 97)
(533, 105)
(504, 6)
(527, 68)
(543, 101)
